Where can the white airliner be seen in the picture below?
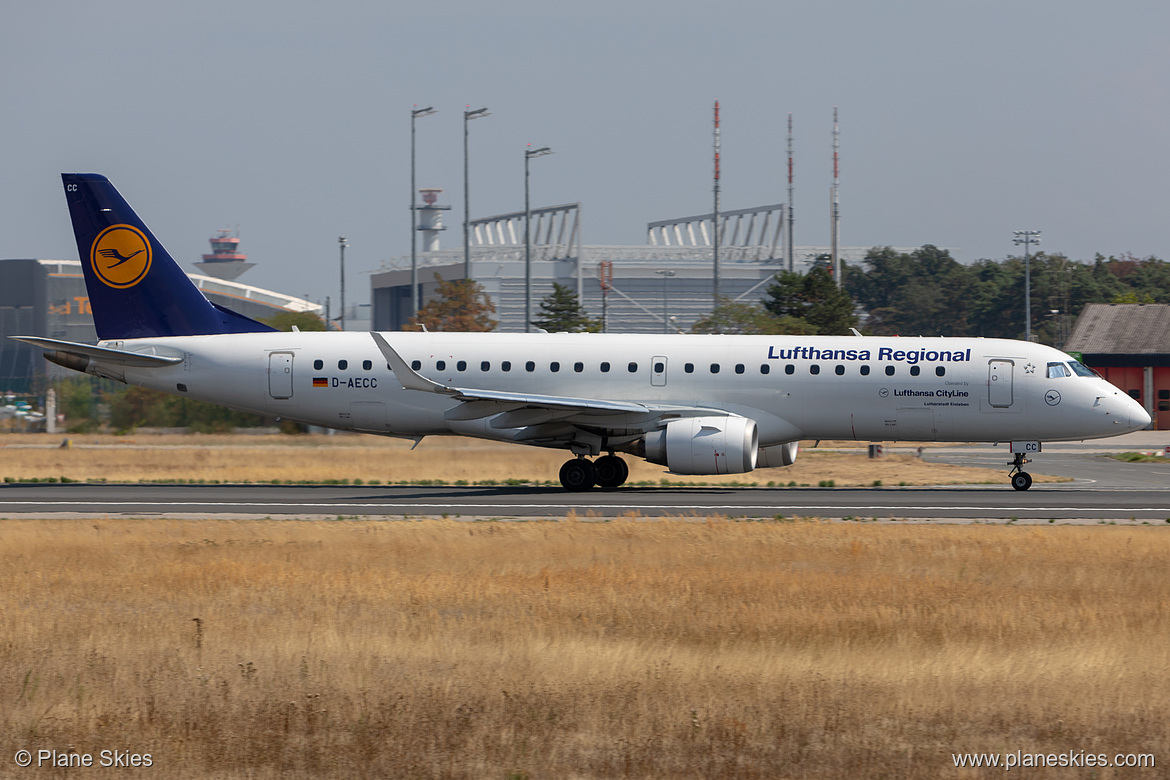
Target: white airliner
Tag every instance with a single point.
(696, 404)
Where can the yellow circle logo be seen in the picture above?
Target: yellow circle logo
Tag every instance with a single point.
(120, 256)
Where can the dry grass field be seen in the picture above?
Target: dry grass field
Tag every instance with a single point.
(380, 460)
(663, 649)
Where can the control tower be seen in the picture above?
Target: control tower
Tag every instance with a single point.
(224, 262)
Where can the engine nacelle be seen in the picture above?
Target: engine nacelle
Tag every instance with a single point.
(705, 445)
(777, 455)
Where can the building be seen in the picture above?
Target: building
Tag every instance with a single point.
(662, 286)
(49, 298)
(1129, 344)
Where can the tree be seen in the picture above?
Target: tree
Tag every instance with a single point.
(561, 311)
(814, 298)
(303, 320)
(731, 317)
(460, 305)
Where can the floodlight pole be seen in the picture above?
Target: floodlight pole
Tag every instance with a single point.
(1027, 238)
(415, 302)
(467, 117)
(528, 155)
(342, 244)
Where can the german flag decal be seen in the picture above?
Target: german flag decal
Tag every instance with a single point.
(320, 381)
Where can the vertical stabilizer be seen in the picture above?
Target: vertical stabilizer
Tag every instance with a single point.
(136, 289)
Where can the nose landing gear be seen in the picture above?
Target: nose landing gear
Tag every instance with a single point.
(1021, 480)
(579, 474)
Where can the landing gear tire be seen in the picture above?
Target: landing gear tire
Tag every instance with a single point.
(578, 475)
(611, 470)
(1021, 480)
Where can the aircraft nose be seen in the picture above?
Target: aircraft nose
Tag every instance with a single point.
(1139, 418)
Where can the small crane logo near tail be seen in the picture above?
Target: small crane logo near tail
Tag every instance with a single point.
(120, 256)
(114, 254)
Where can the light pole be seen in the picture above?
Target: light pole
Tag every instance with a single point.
(528, 155)
(467, 117)
(665, 299)
(1027, 238)
(415, 303)
(342, 244)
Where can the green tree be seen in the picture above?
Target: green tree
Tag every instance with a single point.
(303, 320)
(561, 311)
(814, 298)
(460, 305)
(738, 318)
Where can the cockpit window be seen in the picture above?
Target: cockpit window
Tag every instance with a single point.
(1080, 369)
(1057, 370)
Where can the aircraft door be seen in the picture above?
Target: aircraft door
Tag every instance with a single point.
(999, 383)
(658, 371)
(280, 376)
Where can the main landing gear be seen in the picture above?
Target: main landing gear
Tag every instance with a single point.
(1021, 480)
(608, 471)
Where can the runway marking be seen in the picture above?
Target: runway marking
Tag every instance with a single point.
(447, 507)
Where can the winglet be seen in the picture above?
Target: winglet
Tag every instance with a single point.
(407, 376)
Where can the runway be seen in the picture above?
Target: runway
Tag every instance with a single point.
(1103, 490)
(1042, 503)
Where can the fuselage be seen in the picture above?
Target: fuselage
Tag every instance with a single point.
(793, 387)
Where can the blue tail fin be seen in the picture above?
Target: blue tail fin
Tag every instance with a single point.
(136, 289)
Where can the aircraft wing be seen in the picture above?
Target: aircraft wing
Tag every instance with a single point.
(117, 357)
(522, 409)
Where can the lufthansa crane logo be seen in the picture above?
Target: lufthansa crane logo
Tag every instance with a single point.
(120, 256)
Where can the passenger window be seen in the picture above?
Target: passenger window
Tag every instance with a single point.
(554, 366)
(578, 367)
(889, 370)
(689, 368)
(789, 369)
(840, 370)
(915, 370)
(814, 369)
(415, 364)
(659, 368)
(367, 365)
(765, 368)
(461, 365)
(864, 370)
(506, 365)
(530, 366)
(320, 364)
(1057, 370)
(632, 368)
(485, 366)
(940, 370)
(342, 365)
(714, 368)
(441, 365)
(739, 368)
(605, 367)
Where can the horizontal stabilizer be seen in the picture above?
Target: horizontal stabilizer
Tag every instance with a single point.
(106, 355)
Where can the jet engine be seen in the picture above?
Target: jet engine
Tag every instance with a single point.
(777, 455)
(704, 445)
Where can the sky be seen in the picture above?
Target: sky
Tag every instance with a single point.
(960, 122)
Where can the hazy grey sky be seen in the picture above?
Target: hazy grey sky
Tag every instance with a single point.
(960, 121)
